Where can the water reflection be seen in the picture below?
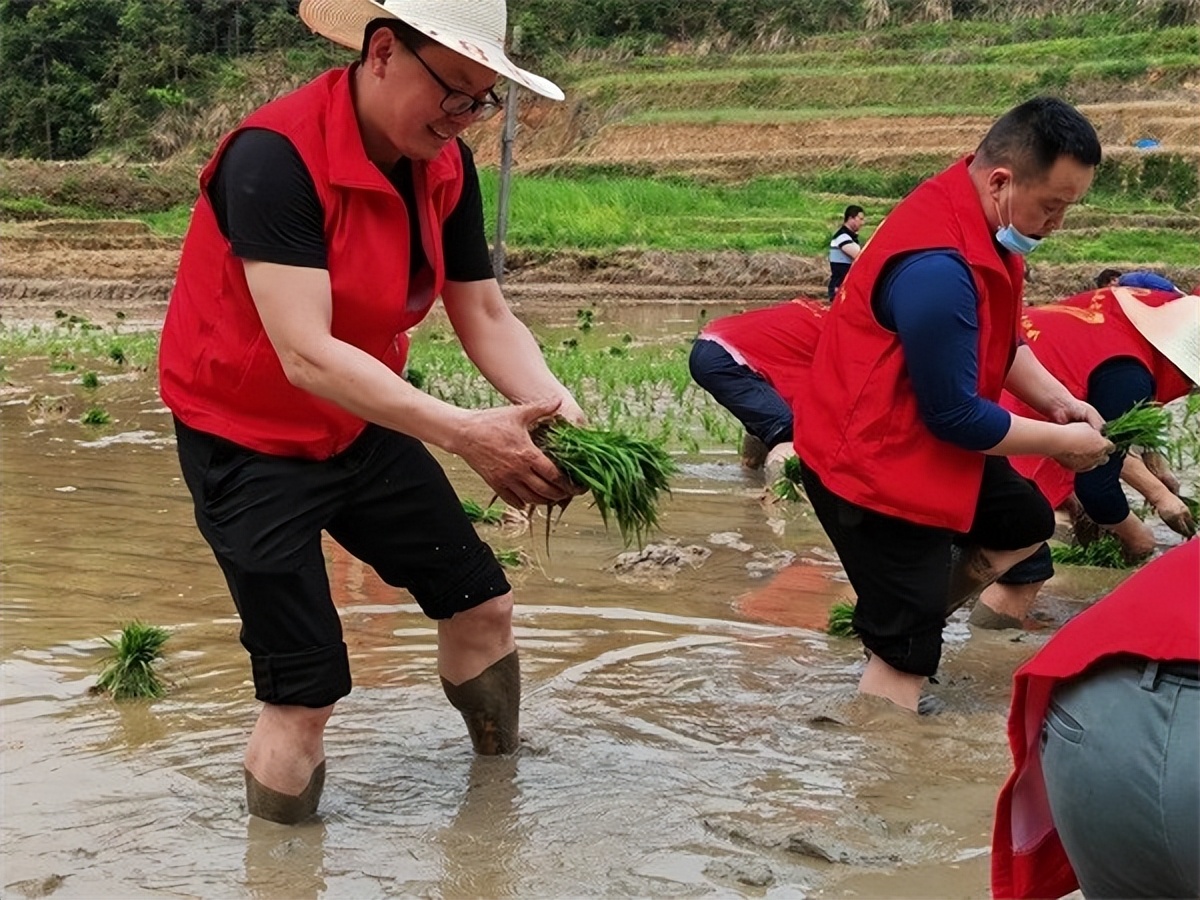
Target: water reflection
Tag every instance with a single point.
(666, 720)
(285, 861)
(483, 845)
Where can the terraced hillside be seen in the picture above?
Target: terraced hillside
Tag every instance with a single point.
(697, 174)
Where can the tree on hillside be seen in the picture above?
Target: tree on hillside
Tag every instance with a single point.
(54, 68)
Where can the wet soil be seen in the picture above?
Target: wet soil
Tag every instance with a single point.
(685, 726)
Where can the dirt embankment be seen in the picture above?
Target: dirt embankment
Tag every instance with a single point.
(99, 269)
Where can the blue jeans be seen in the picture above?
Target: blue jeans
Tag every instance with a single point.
(1119, 755)
(742, 391)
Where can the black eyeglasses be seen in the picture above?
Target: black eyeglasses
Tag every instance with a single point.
(460, 103)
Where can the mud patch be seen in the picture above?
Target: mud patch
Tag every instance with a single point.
(657, 564)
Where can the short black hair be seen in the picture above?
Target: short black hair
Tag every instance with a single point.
(851, 212)
(1106, 276)
(1031, 138)
(405, 34)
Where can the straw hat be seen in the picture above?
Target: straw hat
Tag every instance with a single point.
(1173, 328)
(473, 28)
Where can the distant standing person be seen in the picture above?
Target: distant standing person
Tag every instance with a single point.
(844, 247)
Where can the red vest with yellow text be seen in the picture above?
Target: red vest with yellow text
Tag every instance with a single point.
(777, 342)
(1072, 339)
(859, 426)
(217, 369)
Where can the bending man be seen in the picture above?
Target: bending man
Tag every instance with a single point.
(901, 437)
(328, 222)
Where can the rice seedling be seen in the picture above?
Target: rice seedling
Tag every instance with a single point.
(787, 486)
(96, 416)
(1145, 425)
(624, 474)
(1105, 552)
(129, 672)
(511, 558)
(90, 380)
(490, 515)
(841, 617)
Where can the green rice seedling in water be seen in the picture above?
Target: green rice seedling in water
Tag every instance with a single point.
(96, 416)
(787, 486)
(90, 380)
(1146, 425)
(841, 617)
(624, 474)
(491, 515)
(510, 559)
(129, 672)
(1105, 552)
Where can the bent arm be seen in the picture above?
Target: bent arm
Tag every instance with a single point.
(500, 345)
(1032, 382)
(296, 309)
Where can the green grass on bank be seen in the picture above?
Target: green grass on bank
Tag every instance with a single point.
(785, 214)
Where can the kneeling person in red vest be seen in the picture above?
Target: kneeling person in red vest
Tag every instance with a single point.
(752, 363)
(901, 437)
(1113, 348)
(327, 225)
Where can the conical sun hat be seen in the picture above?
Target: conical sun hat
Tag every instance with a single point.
(1173, 328)
(474, 28)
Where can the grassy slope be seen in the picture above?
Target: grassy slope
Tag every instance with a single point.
(1143, 210)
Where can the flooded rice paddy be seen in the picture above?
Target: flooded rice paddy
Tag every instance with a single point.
(676, 733)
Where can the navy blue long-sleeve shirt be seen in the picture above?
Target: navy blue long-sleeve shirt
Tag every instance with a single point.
(929, 300)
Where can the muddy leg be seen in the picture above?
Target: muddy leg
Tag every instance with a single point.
(477, 661)
(285, 763)
(490, 704)
(973, 568)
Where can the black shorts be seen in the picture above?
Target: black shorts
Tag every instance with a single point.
(901, 570)
(385, 499)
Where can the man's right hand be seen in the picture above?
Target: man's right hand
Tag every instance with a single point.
(1176, 515)
(496, 444)
(1081, 447)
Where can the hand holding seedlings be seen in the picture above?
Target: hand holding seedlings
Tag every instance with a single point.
(1082, 447)
(496, 443)
(624, 474)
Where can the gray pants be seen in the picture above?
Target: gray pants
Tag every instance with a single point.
(1121, 757)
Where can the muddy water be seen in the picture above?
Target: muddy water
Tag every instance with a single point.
(673, 743)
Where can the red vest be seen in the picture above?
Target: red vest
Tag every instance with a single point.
(859, 426)
(1072, 339)
(776, 342)
(1154, 614)
(217, 369)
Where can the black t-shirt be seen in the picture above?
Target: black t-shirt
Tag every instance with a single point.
(267, 207)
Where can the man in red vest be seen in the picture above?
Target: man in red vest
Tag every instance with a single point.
(328, 222)
(1104, 726)
(752, 364)
(1114, 348)
(901, 438)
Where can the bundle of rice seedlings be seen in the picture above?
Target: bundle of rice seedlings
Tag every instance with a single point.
(787, 486)
(841, 616)
(624, 474)
(492, 515)
(1105, 552)
(129, 670)
(1145, 425)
